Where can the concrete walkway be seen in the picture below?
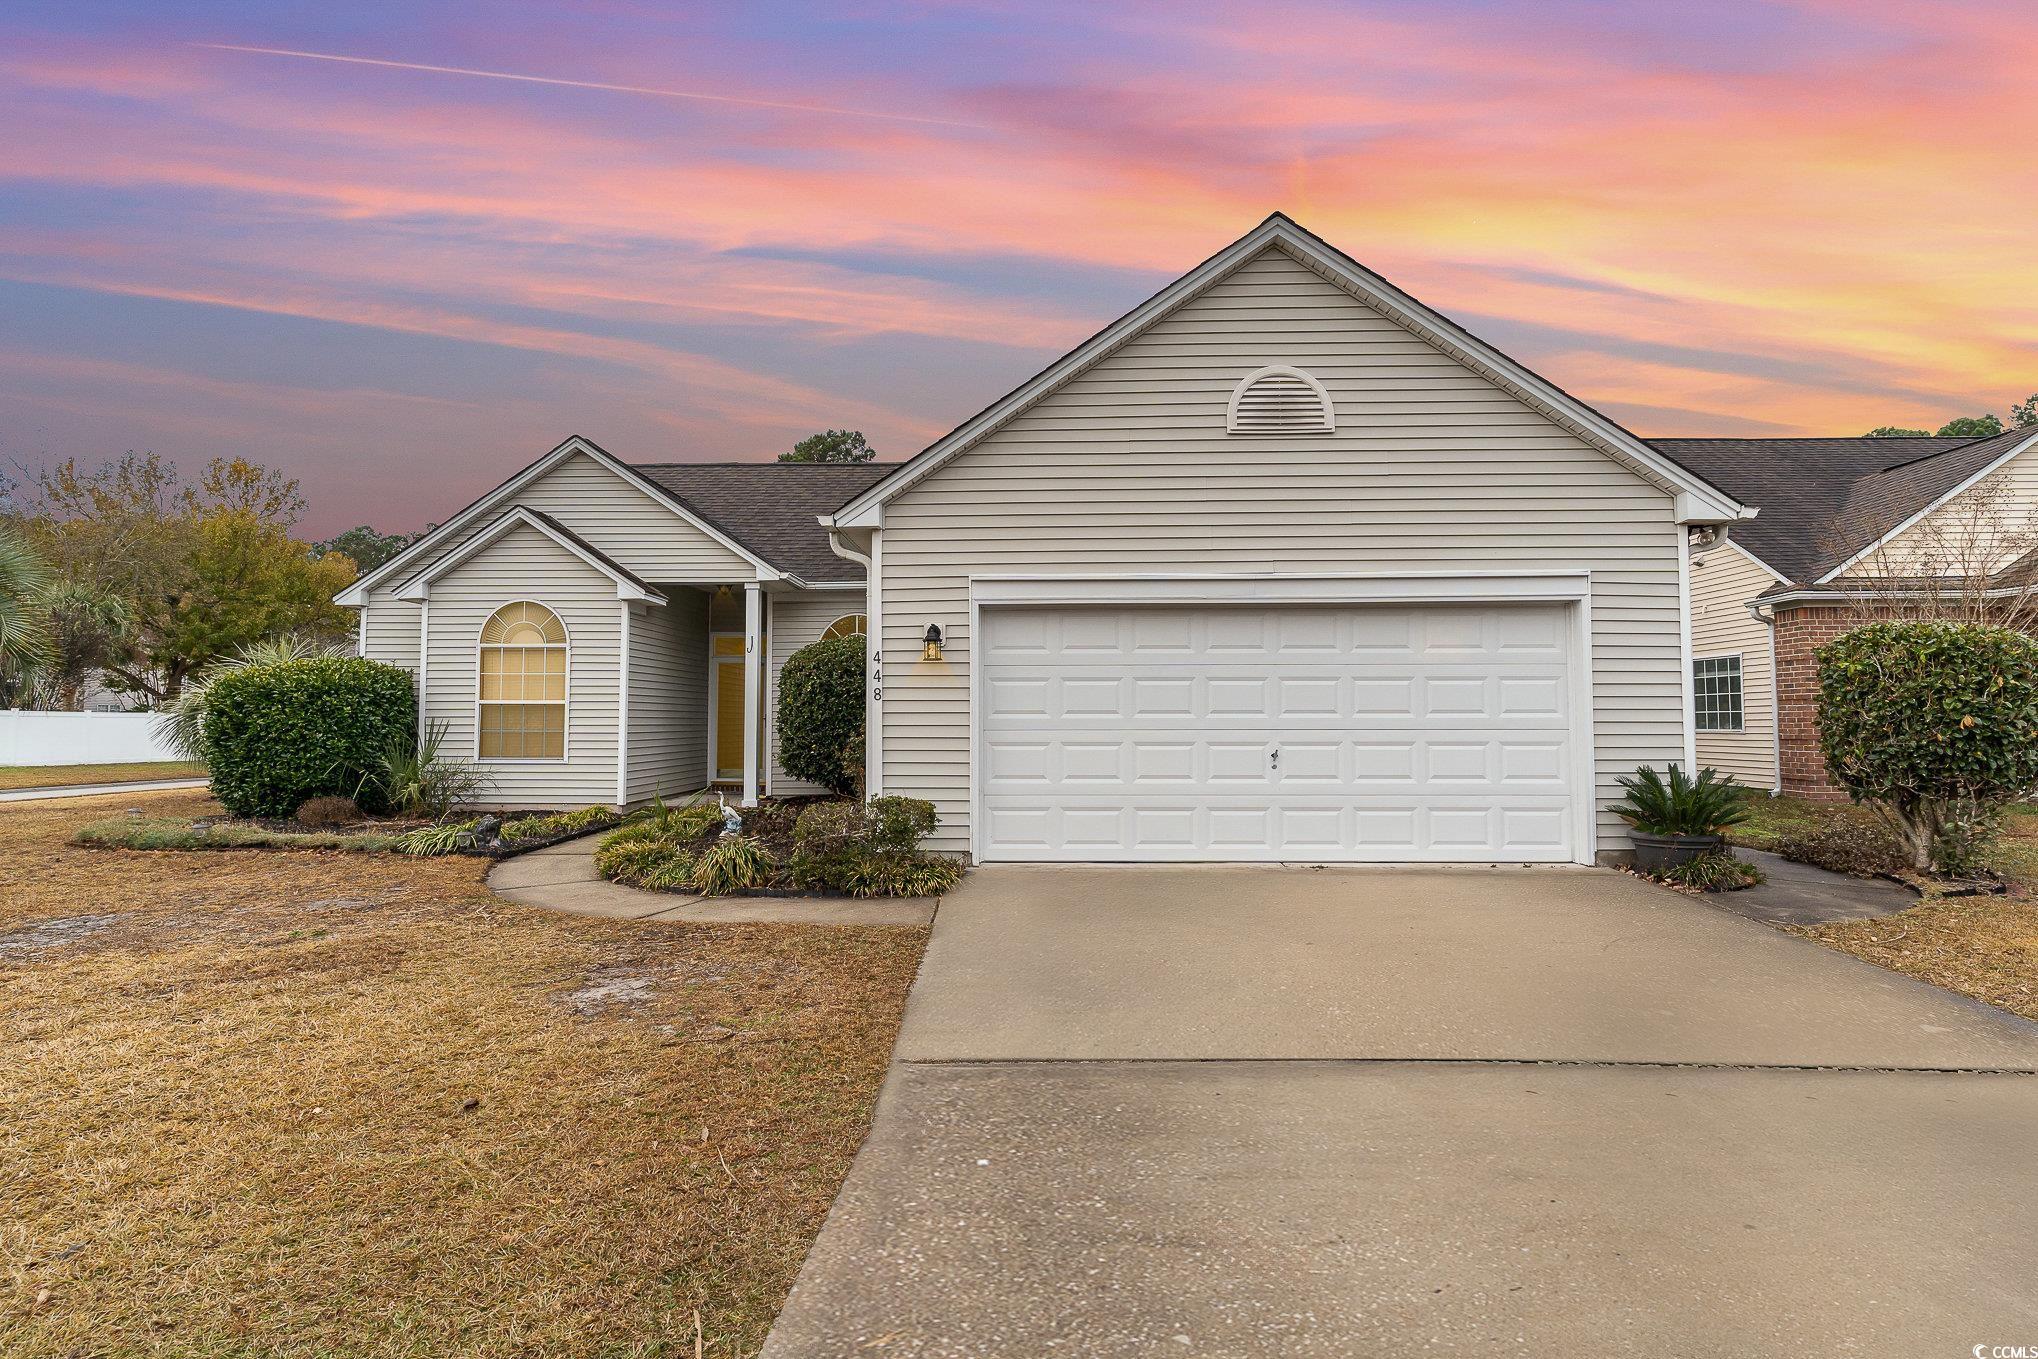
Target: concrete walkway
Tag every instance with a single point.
(1799, 894)
(1258, 1111)
(562, 878)
(97, 789)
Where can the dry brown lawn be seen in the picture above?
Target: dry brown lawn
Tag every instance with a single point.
(1985, 947)
(13, 776)
(313, 1103)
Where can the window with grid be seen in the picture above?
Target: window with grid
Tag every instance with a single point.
(523, 684)
(1716, 693)
(848, 625)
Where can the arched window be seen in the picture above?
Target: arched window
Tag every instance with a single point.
(1278, 399)
(848, 625)
(522, 689)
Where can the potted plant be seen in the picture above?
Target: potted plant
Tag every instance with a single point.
(1678, 819)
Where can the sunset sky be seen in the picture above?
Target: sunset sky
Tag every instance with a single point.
(701, 231)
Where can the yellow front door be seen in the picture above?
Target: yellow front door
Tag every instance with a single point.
(728, 690)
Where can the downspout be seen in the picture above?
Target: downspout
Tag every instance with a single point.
(873, 692)
(1685, 685)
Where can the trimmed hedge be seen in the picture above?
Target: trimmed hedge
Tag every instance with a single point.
(820, 714)
(1934, 723)
(276, 735)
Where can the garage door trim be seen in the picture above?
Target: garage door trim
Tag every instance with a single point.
(1572, 588)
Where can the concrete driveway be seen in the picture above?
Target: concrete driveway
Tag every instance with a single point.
(1266, 1111)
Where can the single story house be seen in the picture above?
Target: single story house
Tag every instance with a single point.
(1848, 528)
(1280, 565)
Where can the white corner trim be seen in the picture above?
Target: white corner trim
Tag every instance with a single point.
(1689, 684)
(1951, 495)
(418, 587)
(1245, 384)
(357, 593)
(623, 707)
(1696, 500)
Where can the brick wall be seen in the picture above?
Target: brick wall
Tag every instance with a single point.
(1799, 633)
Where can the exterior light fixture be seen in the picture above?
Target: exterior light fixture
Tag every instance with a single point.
(932, 651)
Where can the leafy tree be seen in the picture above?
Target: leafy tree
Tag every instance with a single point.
(1971, 427)
(1934, 725)
(2024, 414)
(834, 445)
(1894, 432)
(201, 570)
(363, 546)
(88, 630)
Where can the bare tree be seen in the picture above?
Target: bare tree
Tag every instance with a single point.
(1973, 559)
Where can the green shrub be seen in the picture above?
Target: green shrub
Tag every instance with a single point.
(820, 713)
(418, 778)
(917, 874)
(734, 863)
(276, 735)
(563, 823)
(1718, 871)
(1934, 725)
(673, 872)
(447, 837)
(1680, 805)
(899, 824)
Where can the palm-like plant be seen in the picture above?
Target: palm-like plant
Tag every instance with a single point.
(1680, 805)
(24, 637)
(182, 721)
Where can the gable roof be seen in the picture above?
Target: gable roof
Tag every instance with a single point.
(773, 508)
(1826, 502)
(1697, 499)
(477, 511)
(628, 585)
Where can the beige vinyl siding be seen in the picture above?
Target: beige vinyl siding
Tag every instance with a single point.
(1128, 468)
(1723, 580)
(525, 564)
(391, 634)
(798, 620)
(668, 745)
(1999, 515)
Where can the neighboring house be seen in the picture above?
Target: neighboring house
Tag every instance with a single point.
(1847, 528)
(1280, 565)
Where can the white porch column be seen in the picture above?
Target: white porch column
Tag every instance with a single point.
(753, 684)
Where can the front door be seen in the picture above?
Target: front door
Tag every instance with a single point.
(725, 703)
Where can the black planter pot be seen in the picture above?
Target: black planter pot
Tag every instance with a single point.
(1653, 853)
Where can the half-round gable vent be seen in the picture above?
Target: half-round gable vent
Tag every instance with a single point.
(1279, 400)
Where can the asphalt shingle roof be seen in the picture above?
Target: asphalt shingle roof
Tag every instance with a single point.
(1823, 500)
(772, 508)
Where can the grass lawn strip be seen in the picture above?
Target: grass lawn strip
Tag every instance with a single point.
(313, 1103)
(17, 776)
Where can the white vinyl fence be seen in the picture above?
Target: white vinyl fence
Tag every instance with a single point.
(80, 738)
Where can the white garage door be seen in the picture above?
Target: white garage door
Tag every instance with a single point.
(1433, 732)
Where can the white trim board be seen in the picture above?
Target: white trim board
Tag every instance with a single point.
(1572, 588)
(1698, 501)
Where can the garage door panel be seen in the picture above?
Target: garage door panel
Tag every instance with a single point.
(1344, 733)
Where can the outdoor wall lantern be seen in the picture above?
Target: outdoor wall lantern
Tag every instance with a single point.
(932, 651)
